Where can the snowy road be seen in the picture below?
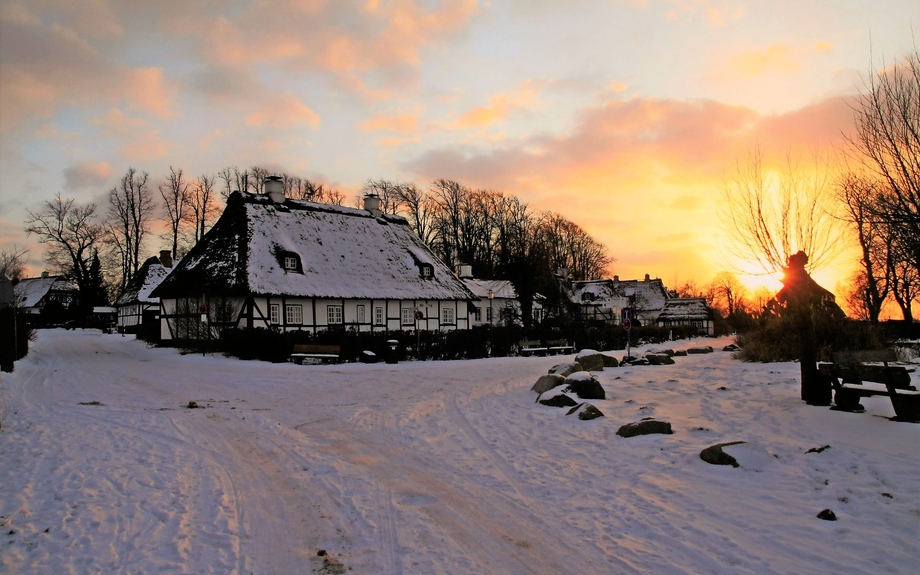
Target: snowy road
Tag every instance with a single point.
(434, 467)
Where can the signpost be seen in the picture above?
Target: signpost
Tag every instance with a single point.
(626, 316)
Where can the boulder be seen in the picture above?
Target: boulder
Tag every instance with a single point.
(714, 454)
(556, 397)
(669, 352)
(547, 382)
(700, 350)
(586, 411)
(680, 353)
(659, 359)
(565, 369)
(610, 361)
(585, 386)
(644, 427)
(630, 360)
(827, 515)
(590, 360)
(731, 347)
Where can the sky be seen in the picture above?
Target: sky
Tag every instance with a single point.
(624, 116)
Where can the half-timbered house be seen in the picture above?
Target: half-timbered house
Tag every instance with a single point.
(284, 264)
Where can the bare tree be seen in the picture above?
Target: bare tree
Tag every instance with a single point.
(202, 205)
(859, 197)
(771, 215)
(131, 207)
(257, 179)
(728, 294)
(887, 117)
(175, 199)
(71, 235)
(418, 208)
(13, 263)
(387, 191)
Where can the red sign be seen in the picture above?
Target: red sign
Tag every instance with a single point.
(627, 323)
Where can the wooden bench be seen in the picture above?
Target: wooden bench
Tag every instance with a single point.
(532, 347)
(850, 372)
(557, 346)
(313, 353)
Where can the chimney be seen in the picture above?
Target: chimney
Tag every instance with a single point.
(466, 271)
(372, 205)
(44, 274)
(166, 258)
(647, 278)
(616, 278)
(274, 188)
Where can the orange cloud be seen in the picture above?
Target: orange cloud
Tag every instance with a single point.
(146, 89)
(500, 107)
(117, 123)
(823, 47)
(87, 174)
(776, 58)
(147, 146)
(402, 123)
(284, 112)
(630, 163)
(299, 36)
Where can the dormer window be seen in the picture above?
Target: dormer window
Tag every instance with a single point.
(289, 261)
(427, 271)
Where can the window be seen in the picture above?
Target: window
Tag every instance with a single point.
(378, 315)
(274, 313)
(293, 314)
(408, 316)
(447, 315)
(333, 314)
(477, 314)
(489, 313)
(427, 271)
(360, 314)
(290, 263)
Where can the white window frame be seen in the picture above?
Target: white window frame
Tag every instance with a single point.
(378, 315)
(408, 316)
(489, 313)
(290, 263)
(293, 314)
(477, 314)
(334, 314)
(359, 314)
(274, 314)
(447, 316)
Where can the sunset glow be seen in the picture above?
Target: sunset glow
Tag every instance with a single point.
(623, 116)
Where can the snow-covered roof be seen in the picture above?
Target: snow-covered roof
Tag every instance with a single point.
(685, 309)
(648, 294)
(148, 277)
(500, 288)
(29, 292)
(341, 252)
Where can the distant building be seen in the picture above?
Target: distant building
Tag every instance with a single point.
(34, 295)
(284, 264)
(138, 310)
(602, 300)
(688, 311)
(503, 307)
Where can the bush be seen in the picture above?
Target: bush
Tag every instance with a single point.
(779, 338)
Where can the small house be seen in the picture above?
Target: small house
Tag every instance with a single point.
(283, 264)
(45, 295)
(497, 301)
(692, 311)
(138, 311)
(603, 300)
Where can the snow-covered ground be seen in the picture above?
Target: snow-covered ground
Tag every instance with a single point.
(437, 467)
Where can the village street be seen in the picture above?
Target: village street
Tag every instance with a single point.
(433, 467)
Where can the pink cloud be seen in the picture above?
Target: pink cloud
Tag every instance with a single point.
(285, 111)
(147, 89)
